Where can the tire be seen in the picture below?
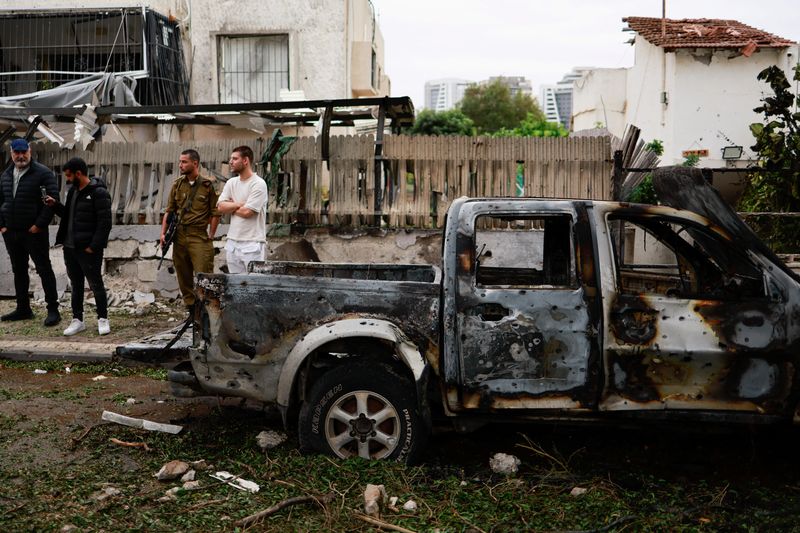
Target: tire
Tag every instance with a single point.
(338, 416)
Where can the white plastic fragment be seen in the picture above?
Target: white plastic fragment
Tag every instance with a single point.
(140, 423)
(502, 463)
(130, 401)
(374, 496)
(393, 501)
(410, 505)
(67, 369)
(39, 371)
(101, 377)
(236, 482)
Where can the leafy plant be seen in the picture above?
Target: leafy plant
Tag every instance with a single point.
(645, 192)
(533, 126)
(452, 122)
(656, 146)
(492, 107)
(691, 160)
(775, 185)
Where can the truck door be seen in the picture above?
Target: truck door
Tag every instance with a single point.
(695, 322)
(524, 336)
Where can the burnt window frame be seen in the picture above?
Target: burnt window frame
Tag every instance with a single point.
(573, 280)
(691, 254)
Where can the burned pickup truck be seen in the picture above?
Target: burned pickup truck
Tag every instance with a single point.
(542, 309)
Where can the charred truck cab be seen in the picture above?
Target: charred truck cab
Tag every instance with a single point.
(569, 309)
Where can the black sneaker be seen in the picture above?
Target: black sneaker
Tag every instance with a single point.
(53, 318)
(17, 314)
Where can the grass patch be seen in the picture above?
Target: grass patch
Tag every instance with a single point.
(452, 494)
(105, 368)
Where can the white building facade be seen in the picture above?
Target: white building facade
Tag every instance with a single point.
(234, 51)
(695, 89)
(445, 94)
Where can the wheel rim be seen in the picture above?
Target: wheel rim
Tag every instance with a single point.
(362, 423)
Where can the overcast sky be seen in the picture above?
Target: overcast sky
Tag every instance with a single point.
(541, 40)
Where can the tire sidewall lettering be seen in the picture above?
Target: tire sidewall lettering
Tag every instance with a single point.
(336, 389)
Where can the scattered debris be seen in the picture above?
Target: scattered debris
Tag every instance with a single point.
(393, 504)
(236, 482)
(172, 470)
(171, 494)
(410, 506)
(142, 445)
(130, 401)
(463, 483)
(322, 501)
(101, 377)
(191, 485)
(107, 492)
(143, 298)
(140, 423)
(374, 497)
(270, 439)
(39, 371)
(68, 369)
(502, 463)
(578, 491)
(188, 476)
(69, 528)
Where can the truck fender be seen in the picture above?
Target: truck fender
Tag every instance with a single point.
(406, 350)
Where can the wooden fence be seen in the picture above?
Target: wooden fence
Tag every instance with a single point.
(420, 176)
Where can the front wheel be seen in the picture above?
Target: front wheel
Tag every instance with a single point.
(363, 409)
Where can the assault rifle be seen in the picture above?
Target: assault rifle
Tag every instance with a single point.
(169, 236)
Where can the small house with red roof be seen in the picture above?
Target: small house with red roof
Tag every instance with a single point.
(692, 85)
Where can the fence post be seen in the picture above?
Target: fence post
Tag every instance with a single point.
(379, 165)
(617, 175)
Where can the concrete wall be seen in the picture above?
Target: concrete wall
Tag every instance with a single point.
(131, 259)
(600, 96)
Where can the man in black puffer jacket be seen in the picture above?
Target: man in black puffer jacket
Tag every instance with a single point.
(83, 231)
(23, 222)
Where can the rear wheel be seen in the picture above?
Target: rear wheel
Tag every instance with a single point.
(368, 410)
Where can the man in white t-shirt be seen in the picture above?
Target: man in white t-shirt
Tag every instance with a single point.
(245, 198)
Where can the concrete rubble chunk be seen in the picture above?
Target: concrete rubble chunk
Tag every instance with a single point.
(410, 506)
(68, 528)
(143, 298)
(200, 464)
(578, 491)
(374, 497)
(268, 440)
(172, 470)
(502, 463)
(188, 476)
(105, 493)
(191, 485)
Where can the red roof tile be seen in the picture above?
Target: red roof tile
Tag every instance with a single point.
(704, 33)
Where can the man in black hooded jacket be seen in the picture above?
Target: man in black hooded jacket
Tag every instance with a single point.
(83, 231)
(23, 222)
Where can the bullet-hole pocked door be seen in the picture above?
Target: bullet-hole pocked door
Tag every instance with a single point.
(691, 325)
(523, 323)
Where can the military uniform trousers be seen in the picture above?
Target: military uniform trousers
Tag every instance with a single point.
(192, 251)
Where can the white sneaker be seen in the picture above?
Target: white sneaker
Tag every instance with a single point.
(103, 327)
(76, 326)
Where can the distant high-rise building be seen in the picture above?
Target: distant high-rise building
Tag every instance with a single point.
(444, 94)
(515, 84)
(556, 100)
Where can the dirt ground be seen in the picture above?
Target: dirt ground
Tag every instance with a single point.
(127, 323)
(56, 454)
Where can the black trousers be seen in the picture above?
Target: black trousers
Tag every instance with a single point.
(81, 264)
(21, 245)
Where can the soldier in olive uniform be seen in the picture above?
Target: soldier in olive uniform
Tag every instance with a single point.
(194, 200)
